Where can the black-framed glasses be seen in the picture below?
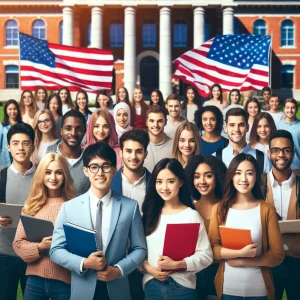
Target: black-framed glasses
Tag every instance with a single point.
(285, 151)
(94, 168)
(46, 121)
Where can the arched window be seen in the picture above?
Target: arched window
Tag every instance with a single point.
(39, 29)
(180, 34)
(149, 34)
(116, 34)
(61, 28)
(11, 77)
(287, 76)
(11, 33)
(287, 33)
(89, 29)
(260, 27)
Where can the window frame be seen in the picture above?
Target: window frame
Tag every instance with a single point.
(181, 42)
(259, 28)
(285, 73)
(12, 72)
(116, 34)
(287, 34)
(152, 25)
(10, 29)
(40, 29)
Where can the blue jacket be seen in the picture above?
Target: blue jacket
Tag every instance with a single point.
(5, 156)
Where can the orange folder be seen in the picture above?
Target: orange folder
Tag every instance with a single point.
(235, 238)
(180, 241)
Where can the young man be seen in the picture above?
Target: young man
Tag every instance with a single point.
(291, 124)
(115, 218)
(174, 118)
(160, 145)
(266, 93)
(73, 128)
(15, 186)
(282, 193)
(236, 126)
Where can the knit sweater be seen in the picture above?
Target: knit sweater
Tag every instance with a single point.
(40, 264)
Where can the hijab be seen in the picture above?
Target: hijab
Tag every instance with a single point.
(120, 130)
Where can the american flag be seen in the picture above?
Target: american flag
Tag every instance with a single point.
(53, 66)
(234, 61)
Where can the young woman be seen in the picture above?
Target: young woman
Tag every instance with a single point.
(205, 175)
(186, 142)
(45, 134)
(157, 98)
(216, 97)
(235, 101)
(209, 121)
(54, 104)
(122, 117)
(103, 101)
(245, 273)
(263, 127)
(52, 185)
(82, 101)
(252, 108)
(102, 128)
(190, 104)
(40, 97)
(168, 201)
(138, 109)
(28, 107)
(274, 110)
(12, 115)
(122, 95)
(65, 96)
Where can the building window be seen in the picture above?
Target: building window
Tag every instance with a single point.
(89, 34)
(287, 33)
(287, 76)
(116, 34)
(61, 28)
(260, 27)
(39, 29)
(11, 31)
(180, 34)
(149, 34)
(11, 77)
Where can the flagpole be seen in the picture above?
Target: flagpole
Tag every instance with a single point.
(270, 62)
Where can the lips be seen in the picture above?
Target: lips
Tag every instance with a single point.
(203, 188)
(53, 183)
(100, 180)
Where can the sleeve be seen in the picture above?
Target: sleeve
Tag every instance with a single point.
(1, 139)
(267, 164)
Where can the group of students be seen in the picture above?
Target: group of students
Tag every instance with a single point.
(104, 171)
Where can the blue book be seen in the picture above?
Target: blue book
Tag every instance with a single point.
(80, 241)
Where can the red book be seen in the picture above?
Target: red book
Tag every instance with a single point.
(180, 241)
(235, 238)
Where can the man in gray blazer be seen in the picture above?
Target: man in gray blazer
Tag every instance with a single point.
(116, 219)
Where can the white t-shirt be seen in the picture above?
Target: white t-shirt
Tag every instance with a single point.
(43, 149)
(277, 117)
(261, 147)
(190, 112)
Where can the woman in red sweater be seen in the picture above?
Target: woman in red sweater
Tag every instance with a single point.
(139, 109)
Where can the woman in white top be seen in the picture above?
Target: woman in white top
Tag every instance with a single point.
(274, 110)
(190, 104)
(263, 127)
(235, 101)
(216, 97)
(66, 99)
(168, 201)
(45, 134)
(28, 107)
(122, 116)
(252, 108)
(40, 96)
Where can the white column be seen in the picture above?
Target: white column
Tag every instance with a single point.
(199, 26)
(165, 54)
(68, 26)
(129, 50)
(228, 20)
(97, 28)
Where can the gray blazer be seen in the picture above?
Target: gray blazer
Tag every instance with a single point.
(125, 223)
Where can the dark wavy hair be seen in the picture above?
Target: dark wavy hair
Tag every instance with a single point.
(218, 168)
(47, 105)
(104, 93)
(221, 91)
(69, 97)
(153, 203)
(127, 101)
(6, 117)
(239, 94)
(161, 101)
(196, 99)
(252, 100)
(86, 109)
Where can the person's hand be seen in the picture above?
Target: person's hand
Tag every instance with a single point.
(95, 261)
(166, 263)
(5, 221)
(109, 273)
(249, 250)
(236, 262)
(158, 274)
(45, 244)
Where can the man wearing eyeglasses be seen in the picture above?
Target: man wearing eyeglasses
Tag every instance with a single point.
(282, 193)
(115, 218)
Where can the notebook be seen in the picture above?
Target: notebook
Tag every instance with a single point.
(13, 211)
(235, 238)
(289, 226)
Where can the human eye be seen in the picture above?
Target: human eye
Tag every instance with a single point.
(26, 144)
(196, 176)
(171, 181)
(48, 172)
(158, 181)
(106, 167)
(59, 172)
(93, 168)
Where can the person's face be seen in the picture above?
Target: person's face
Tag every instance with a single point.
(167, 185)
(154, 97)
(187, 143)
(72, 131)
(54, 176)
(63, 94)
(282, 160)
(274, 103)
(209, 121)
(266, 96)
(190, 94)
(20, 147)
(12, 111)
(290, 110)
(101, 180)
(27, 99)
(173, 107)
(122, 95)
(122, 117)
(236, 128)
(156, 123)
(253, 109)
(137, 95)
(133, 155)
(44, 123)
(103, 101)
(81, 101)
(101, 129)
(41, 95)
(216, 92)
(245, 177)
(263, 129)
(204, 180)
(234, 97)
(53, 105)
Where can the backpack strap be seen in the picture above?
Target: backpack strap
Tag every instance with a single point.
(219, 153)
(297, 196)
(3, 180)
(260, 157)
(226, 142)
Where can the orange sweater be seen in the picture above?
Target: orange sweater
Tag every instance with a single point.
(273, 252)
(38, 264)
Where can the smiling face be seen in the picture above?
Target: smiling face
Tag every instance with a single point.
(252, 109)
(190, 95)
(173, 107)
(204, 180)
(154, 97)
(44, 123)
(101, 129)
(274, 103)
(245, 177)
(41, 94)
(137, 95)
(209, 121)
(12, 111)
(122, 95)
(63, 94)
(103, 101)
(53, 105)
(73, 131)
(122, 117)
(54, 177)
(290, 110)
(263, 129)
(216, 93)
(156, 123)
(236, 128)
(187, 143)
(27, 98)
(266, 96)
(81, 101)
(234, 97)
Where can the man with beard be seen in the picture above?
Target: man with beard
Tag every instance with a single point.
(282, 193)
(73, 129)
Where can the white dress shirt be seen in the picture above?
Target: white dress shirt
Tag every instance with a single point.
(27, 173)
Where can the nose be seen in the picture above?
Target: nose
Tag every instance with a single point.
(53, 176)
(73, 132)
(243, 177)
(202, 180)
(165, 186)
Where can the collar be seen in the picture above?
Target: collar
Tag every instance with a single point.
(27, 173)
(162, 142)
(296, 121)
(290, 181)
(58, 151)
(140, 180)
(246, 149)
(106, 199)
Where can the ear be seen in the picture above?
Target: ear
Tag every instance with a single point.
(225, 127)
(146, 154)
(181, 183)
(85, 171)
(121, 153)
(8, 147)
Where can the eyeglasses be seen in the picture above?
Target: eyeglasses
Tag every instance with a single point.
(285, 151)
(24, 144)
(45, 122)
(94, 168)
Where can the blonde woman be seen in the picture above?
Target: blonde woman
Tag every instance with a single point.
(45, 133)
(186, 142)
(28, 107)
(52, 185)
(138, 109)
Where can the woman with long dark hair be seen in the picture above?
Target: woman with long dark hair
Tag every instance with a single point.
(81, 104)
(103, 101)
(156, 97)
(216, 97)
(66, 99)
(54, 104)
(168, 201)
(122, 95)
(190, 104)
(245, 273)
(235, 100)
(252, 108)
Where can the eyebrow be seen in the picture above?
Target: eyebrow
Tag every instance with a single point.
(246, 170)
(19, 141)
(204, 172)
(167, 178)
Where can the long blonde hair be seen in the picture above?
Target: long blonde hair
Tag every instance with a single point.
(39, 193)
(176, 153)
(33, 107)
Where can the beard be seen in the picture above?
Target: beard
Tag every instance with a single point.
(287, 166)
